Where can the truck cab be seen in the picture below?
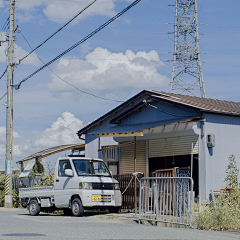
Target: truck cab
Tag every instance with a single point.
(79, 183)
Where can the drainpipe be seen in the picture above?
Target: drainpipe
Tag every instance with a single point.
(99, 146)
(135, 170)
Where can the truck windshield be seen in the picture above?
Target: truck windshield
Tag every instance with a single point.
(90, 167)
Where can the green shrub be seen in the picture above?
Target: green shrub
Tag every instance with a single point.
(223, 212)
(232, 173)
(48, 180)
(15, 198)
(38, 169)
(15, 195)
(2, 198)
(2, 188)
(2, 182)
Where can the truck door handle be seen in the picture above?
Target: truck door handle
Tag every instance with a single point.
(57, 180)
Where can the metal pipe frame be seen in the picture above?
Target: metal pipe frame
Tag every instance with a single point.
(166, 199)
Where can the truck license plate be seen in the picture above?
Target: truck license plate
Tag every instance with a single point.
(96, 198)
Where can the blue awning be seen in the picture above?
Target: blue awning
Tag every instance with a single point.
(133, 128)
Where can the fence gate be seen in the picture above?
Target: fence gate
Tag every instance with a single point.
(166, 199)
(127, 186)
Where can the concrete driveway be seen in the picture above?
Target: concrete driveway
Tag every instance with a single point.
(18, 224)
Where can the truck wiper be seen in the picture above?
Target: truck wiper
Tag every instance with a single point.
(84, 174)
(102, 175)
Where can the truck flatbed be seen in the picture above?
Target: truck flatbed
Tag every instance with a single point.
(45, 191)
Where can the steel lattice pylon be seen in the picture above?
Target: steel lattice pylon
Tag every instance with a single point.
(187, 71)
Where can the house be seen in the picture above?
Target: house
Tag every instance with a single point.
(171, 131)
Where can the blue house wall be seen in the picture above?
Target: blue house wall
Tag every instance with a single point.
(213, 161)
(159, 111)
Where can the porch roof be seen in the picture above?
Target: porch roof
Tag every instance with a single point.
(50, 151)
(135, 129)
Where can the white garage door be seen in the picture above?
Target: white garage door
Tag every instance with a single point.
(174, 146)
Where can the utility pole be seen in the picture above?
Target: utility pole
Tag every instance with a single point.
(187, 71)
(9, 128)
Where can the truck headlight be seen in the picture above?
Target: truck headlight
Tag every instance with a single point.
(116, 186)
(85, 185)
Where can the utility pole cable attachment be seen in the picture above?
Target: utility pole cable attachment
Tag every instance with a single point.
(187, 74)
(9, 128)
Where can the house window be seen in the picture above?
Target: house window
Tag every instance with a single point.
(110, 154)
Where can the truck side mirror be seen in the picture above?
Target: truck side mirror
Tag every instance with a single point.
(69, 172)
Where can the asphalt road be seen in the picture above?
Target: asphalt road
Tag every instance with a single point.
(18, 224)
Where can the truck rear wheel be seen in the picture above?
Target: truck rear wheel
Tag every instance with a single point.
(34, 208)
(77, 208)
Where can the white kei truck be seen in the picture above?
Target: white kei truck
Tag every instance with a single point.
(79, 183)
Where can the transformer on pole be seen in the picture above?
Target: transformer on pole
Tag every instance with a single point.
(187, 74)
(9, 128)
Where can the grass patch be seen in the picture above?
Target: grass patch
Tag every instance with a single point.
(108, 217)
(223, 212)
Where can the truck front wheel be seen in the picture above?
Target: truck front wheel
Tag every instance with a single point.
(77, 208)
(34, 208)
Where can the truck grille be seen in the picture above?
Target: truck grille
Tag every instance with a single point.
(103, 186)
(106, 198)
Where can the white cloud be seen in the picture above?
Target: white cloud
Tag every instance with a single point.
(16, 148)
(1, 3)
(61, 11)
(3, 135)
(63, 131)
(104, 72)
(2, 156)
(19, 53)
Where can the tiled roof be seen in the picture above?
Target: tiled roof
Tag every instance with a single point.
(205, 104)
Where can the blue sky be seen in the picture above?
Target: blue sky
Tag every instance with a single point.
(127, 56)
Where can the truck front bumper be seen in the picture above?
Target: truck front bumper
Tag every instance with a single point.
(92, 198)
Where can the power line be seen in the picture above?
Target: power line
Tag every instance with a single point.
(5, 25)
(91, 94)
(17, 86)
(4, 73)
(3, 96)
(57, 31)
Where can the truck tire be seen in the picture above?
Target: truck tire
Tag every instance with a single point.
(113, 209)
(77, 208)
(34, 208)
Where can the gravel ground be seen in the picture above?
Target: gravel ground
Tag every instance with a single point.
(18, 224)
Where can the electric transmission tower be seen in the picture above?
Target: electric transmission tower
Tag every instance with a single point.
(187, 71)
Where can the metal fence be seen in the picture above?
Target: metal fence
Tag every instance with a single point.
(166, 199)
